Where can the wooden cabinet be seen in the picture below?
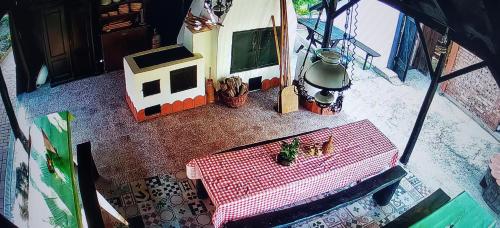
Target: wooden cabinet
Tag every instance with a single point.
(118, 44)
(56, 43)
(67, 40)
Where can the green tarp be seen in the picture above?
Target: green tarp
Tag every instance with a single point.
(461, 212)
(53, 197)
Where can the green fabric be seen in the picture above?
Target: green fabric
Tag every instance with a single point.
(461, 212)
(53, 197)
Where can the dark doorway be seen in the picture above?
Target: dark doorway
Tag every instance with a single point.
(431, 38)
(403, 45)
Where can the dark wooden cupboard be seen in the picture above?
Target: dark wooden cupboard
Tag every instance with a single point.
(118, 44)
(56, 43)
(67, 40)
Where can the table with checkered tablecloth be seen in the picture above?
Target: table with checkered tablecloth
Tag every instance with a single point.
(249, 181)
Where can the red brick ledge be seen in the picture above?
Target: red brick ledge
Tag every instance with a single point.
(270, 83)
(167, 108)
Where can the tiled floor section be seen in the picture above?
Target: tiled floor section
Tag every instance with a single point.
(171, 201)
(8, 71)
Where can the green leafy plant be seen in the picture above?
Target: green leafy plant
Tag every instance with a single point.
(289, 151)
(302, 6)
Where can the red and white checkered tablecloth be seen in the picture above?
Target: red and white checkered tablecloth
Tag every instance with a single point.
(249, 182)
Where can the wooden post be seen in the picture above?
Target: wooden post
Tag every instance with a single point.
(384, 196)
(87, 175)
(435, 75)
(11, 114)
(330, 7)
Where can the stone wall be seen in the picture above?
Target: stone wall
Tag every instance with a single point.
(476, 91)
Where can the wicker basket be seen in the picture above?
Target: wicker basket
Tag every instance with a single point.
(234, 102)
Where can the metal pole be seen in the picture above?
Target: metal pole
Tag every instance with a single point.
(11, 114)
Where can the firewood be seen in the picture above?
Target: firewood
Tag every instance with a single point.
(223, 87)
(243, 89)
(231, 92)
(230, 83)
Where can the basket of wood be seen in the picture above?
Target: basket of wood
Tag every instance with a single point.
(233, 92)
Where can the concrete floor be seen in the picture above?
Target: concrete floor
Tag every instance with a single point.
(452, 151)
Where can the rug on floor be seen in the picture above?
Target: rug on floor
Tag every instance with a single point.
(171, 201)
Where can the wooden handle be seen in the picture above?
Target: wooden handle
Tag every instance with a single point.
(276, 42)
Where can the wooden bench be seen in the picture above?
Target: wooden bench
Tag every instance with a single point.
(381, 186)
(336, 36)
(424, 208)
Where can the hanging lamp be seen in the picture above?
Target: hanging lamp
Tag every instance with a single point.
(327, 74)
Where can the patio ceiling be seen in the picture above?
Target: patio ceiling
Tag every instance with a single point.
(473, 24)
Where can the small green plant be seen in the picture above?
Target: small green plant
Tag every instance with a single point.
(302, 6)
(289, 151)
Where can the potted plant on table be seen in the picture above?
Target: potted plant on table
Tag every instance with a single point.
(289, 152)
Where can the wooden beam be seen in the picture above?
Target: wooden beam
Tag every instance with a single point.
(87, 174)
(330, 15)
(429, 96)
(302, 212)
(463, 71)
(9, 109)
(4, 222)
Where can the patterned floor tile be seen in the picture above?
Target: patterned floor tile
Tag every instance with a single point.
(413, 180)
(332, 218)
(423, 190)
(172, 188)
(189, 195)
(128, 199)
(151, 219)
(177, 200)
(406, 185)
(157, 193)
(140, 190)
(116, 202)
(356, 209)
(204, 219)
(167, 215)
(186, 185)
(317, 223)
(188, 222)
(354, 223)
(153, 182)
(399, 191)
(146, 207)
(197, 207)
(131, 211)
(162, 204)
(174, 224)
